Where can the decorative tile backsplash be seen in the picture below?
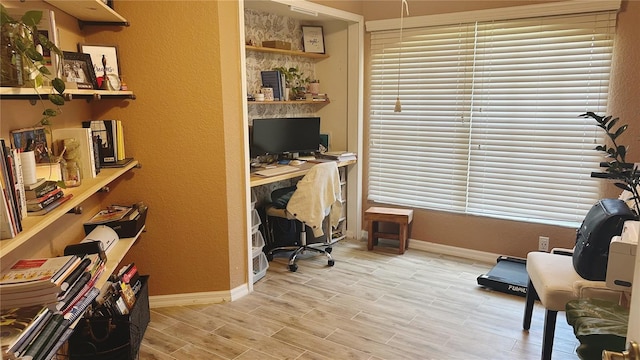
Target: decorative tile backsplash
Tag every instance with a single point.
(261, 26)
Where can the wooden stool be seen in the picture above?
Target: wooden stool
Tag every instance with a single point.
(402, 217)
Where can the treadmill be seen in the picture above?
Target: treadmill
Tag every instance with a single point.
(509, 275)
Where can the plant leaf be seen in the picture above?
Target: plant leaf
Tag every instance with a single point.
(59, 85)
(49, 112)
(56, 99)
(32, 18)
(33, 54)
(619, 132)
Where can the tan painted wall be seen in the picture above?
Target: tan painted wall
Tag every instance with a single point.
(181, 58)
(511, 237)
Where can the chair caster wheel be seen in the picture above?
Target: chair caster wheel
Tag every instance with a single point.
(269, 257)
(329, 249)
(331, 262)
(293, 268)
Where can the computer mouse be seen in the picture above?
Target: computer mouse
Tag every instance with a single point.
(296, 162)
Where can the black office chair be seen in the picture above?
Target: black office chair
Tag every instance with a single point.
(314, 203)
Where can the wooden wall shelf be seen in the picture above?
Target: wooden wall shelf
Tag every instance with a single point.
(286, 52)
(32, 225)
(90, 12)
(8, 93)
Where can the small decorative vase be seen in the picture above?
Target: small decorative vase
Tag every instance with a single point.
(287, 92)
(314, 88)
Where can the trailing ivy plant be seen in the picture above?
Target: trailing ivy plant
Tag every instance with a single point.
(26, 57)
(625, 175)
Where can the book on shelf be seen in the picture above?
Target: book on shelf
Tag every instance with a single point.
(44, 201)
(106, 132)
(336, 155)
(51, 206)
(120, 140)
(41, 190)
(19, 181)
(29, 270)
(34, 275)
(48, 336)
(111, 213)
(38, 182)
(8, 229)
(19, 323)
(9, 187)
(86, 151)
(273, 79)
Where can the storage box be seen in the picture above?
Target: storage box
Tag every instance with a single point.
(255, 220)
(260, 266)
(124, 228)
(277, 44)
(257, 243)
(114, 337)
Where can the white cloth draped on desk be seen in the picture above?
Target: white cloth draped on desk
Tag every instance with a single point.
(318, 194)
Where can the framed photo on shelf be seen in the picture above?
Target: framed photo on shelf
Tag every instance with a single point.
(313, 39)
(110, 66)
(46, 28)
(78, 68)
(36, 138)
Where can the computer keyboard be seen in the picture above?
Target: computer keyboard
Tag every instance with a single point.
(279, 170)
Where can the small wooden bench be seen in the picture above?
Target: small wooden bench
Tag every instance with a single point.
(402, 217)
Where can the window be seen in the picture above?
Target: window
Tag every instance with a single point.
(490, 116)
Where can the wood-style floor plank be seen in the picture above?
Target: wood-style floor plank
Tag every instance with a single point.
(373, 305)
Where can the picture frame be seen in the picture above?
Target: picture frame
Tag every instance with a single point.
(46, 27)
(78, 68)
(37, 137)
(313, 39)
(110, 52)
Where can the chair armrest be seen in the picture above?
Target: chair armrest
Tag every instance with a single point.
(584, 289)
(562, 251)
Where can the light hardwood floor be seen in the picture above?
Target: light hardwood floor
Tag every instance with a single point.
(370, 305)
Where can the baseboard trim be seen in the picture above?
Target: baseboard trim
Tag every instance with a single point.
(480, 256)
(210, 297)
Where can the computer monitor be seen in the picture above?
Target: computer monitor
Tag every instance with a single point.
(278, 136)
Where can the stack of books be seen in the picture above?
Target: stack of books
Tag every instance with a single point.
(43, 196)
(41, 299)
(336, 156)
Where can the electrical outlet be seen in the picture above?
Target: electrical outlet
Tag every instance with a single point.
(543, 243)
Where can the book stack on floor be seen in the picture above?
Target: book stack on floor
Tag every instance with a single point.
(43, 196)
(41, 299)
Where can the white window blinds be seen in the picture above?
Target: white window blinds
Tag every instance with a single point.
(489, 122)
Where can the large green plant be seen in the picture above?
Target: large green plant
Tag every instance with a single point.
(625, 175)
(25, 57)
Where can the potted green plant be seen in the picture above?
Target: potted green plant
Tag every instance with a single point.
(625, 175)
(23, 63)
(295, 79)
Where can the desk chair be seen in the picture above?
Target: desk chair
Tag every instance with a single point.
(316, 204)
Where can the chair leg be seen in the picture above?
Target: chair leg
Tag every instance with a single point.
(528, 307)
(549, 332)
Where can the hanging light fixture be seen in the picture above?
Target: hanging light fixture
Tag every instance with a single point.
(403, 5)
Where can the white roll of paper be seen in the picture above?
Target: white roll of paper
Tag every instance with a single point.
(28, 161)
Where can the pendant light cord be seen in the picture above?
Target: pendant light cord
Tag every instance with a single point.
(403, 5)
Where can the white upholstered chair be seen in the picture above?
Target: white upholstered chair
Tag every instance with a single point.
(554, 281)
